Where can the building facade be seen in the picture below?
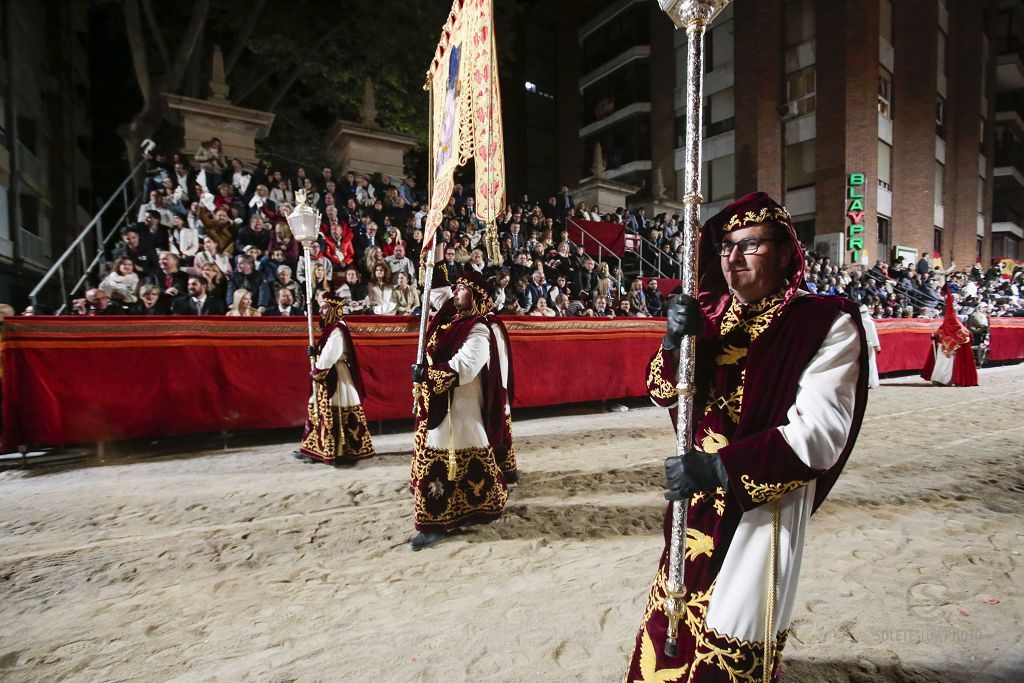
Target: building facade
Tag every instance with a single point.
(886, 127)
(45, 134)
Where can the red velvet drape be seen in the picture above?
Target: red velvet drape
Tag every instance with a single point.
(74, 380)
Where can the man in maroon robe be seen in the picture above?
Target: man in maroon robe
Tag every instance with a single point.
(781, 379)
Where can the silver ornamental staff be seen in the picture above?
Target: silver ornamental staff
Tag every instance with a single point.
(304, 222)
(427, 250)
(695, 16)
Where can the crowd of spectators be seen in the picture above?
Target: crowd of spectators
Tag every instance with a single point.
(212, 238)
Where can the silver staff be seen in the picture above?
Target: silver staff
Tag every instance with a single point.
(695, 16)
(304, 222)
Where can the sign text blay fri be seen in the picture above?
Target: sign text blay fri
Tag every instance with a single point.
(855, 212)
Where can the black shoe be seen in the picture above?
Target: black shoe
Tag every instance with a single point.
(512, 477)
(424, 539)
(345, 462)
(303, 458)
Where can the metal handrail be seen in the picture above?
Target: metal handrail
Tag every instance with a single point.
(658, 268)
(907, 294)
(601, 245)
(96, 224)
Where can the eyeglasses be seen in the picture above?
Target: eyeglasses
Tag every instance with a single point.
(747, 246)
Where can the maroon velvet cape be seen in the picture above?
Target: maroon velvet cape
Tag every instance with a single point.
(351, 361)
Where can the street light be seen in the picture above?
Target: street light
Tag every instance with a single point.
(304, 222)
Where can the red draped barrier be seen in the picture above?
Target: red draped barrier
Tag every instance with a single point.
(611, 236)
(1006, 338)
(74, 380)
(905, 343)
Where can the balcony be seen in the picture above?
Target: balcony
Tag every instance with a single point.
(1009, 63)
(1009, 160)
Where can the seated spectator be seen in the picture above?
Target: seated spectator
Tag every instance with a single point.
(587, 280)
(636, 296)
(601, 309)
(404, 297)
(540, 308)
(150, 302)
(282, 239)
(241, 304)
(655, 302)
(246, 277)
(141, 253)
(121, 283)
(284, 305)
(476, 261)
(211, 254)
(170, 280)
(197, 302)
(216, 282)
(284, 281)
(380, 290)
(317, 258)
(255, 234)
(182, 240)
(354, 292)
(219, 227)
(605, 285)
(321, 283)
(338, 247)
(561, 307)
(538, 288)
(399, 263)
(95, 302)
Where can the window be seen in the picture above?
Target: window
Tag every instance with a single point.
(801, 165)
(799, 18)
(940, 116)
(940, 57)
(981, 195)
(884, 92)
(800, 88)
(884, 237)
(805, 231)
(940, 175)
(937, 240)
(681, 130)
(718, 47)
(885, 20)
(29, 213)
(978, 246)
(884, 165)
(27, 133)
(719, 113)
(718, 179)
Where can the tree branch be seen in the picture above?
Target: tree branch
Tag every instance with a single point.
(241, 94)
(158, 35)
(137, 45)
(297, 71)
(243, 36)
(189, 40)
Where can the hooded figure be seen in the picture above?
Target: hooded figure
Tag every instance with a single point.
(336, 431)
(951, 356)
(463, 448)
(781, 386)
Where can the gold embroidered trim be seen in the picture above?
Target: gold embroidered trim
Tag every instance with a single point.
(657, 385)
(749, 218)
(753, 319)
(730, 355)
(458, 507)
(761, 493)
(731, 405)
(443, 380)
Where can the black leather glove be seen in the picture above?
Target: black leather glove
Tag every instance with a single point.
(311, 350)
(693, 472)
(419, 373)
(684, 317)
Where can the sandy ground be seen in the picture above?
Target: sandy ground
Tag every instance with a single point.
(249, 565)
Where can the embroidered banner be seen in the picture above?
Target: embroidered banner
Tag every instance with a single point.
(465, 116)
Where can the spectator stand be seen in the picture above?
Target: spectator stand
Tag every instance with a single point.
(599, 237)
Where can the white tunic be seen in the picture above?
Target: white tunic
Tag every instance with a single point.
(871, 335)
(334, 353)
(463, 426)
(942, 373)
(818, 429)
